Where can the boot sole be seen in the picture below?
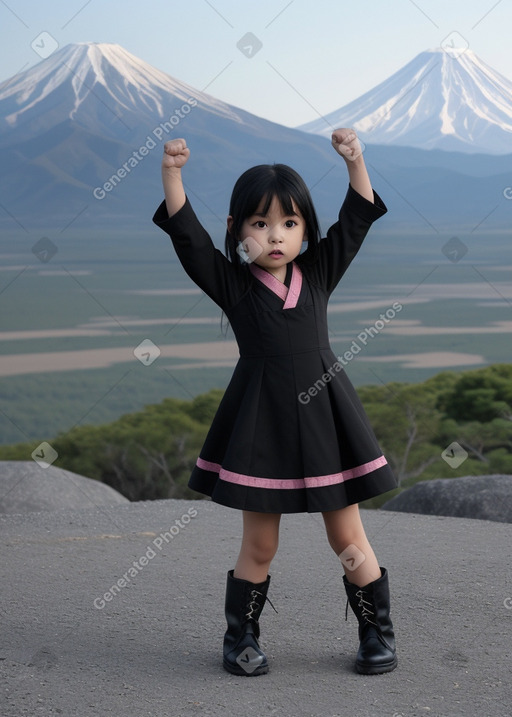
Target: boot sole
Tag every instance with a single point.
(376, 669)
(262, 670)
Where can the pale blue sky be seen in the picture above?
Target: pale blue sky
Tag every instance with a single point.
(315, 57)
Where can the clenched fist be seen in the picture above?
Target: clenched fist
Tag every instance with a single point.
(176, 154)
(346, 143)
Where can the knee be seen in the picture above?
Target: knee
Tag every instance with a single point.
(262, 549)
(343, 533)
(341, 544)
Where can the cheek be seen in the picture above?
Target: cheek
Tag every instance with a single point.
(245, 231)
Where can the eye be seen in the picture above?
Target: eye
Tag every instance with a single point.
(289, 224)
(260, 224)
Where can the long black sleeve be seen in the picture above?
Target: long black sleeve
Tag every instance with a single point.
(344, 239)
(206, 265)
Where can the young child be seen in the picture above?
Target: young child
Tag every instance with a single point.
(290, 434)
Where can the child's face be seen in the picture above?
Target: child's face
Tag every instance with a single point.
(274, 239)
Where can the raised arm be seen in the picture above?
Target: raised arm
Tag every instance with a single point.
(362, 206)
(176, 154)
(347, 145)
(205, 265)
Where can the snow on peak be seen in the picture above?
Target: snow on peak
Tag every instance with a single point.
(92, 83)
(446, 99)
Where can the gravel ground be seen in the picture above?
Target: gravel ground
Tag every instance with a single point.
(76, 642)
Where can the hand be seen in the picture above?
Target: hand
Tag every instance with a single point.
(346, 144)
(176, 154)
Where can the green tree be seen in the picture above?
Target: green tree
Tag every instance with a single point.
(150, 454)
(480, 395)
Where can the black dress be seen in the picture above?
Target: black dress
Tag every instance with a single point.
(290, 434)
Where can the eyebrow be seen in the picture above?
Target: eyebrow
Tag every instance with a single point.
(261, 214)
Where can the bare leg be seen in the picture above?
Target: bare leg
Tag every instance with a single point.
(345, 532)
(259, 545)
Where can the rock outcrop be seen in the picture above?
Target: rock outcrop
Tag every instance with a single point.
(483, 497)
(26, 487)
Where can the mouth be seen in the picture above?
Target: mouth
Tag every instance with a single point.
(276, 253)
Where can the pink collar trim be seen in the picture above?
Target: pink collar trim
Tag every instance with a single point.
(290, 295)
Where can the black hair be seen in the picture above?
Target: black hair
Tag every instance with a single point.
(263, 183)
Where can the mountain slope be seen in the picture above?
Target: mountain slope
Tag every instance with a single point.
(438, 100)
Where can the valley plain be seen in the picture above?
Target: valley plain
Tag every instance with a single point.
(68, 338)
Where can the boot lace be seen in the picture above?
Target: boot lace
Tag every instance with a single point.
(366, 613)
(254, 604)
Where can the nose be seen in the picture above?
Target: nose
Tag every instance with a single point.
(274, 235)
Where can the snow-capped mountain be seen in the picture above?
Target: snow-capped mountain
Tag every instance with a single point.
(448, 100)
(98, 86)
(81, 136)
(79, 117)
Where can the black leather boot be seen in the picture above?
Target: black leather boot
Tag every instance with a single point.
(244, 603)
(377, 653)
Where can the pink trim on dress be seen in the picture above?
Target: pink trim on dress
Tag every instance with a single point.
(290, 296)
(320, 481)
(294, 483)
(208, 465)
(254, 482)
(295, 287)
